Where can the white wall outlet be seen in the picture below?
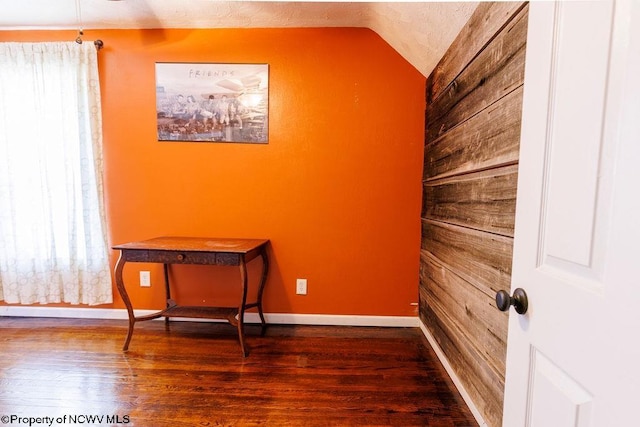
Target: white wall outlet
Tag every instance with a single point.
(301, 286)
(145, 279)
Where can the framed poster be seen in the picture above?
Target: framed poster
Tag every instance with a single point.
(205, 102)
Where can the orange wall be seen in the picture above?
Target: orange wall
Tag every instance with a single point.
(337, 189)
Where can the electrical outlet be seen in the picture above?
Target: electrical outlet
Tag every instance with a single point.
(301, 286)
(145, 279)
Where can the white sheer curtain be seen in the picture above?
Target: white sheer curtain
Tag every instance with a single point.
(52, 228)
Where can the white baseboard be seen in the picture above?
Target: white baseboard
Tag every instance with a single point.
(339, 320)
(250, 317)
(68, 312)
(452, 374)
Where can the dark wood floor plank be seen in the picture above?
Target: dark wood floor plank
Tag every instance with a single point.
(192, 374)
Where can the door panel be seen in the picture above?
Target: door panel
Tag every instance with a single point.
(557, 399)
(561, 364)
(578, 61)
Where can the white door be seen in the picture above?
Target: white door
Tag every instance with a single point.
(574, 358)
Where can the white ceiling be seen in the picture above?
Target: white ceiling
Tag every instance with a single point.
(420, 31)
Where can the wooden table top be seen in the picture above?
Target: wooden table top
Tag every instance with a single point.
(197, 244)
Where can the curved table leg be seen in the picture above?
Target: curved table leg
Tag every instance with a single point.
(167, 289)
(125, 297)
(263, 280)
(243, 302)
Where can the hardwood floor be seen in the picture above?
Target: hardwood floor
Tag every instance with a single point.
(193, 374)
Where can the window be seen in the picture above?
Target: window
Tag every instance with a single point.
(52, 224)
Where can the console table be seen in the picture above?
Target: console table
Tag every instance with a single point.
(196, 250)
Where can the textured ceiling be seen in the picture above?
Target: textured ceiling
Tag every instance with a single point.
(420, 31)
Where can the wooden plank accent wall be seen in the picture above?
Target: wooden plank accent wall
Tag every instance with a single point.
(472, 136)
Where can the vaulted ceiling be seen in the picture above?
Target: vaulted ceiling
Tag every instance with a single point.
(420, 31)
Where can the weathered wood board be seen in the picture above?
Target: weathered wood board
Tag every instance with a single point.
(483, 259)
(489, 139)
(484, 200)
(482, 325)
(487, 21)
(472, 137)
(494, 73)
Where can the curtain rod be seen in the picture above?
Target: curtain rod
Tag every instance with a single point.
(98, 43)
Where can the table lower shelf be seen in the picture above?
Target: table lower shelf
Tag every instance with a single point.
(199, 312)
(231, 314)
